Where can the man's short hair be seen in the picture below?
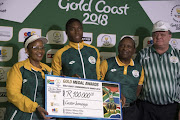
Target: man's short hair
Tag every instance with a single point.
(70, 21)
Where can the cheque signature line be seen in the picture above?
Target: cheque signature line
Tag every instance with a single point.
(83, 108)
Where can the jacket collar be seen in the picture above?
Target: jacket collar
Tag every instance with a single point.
(75, 45)
(122, 64)
(30, 67)
(168, 51)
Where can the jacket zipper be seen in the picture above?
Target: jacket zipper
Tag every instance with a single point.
(35, 92)
(82, 62)
(13, 115)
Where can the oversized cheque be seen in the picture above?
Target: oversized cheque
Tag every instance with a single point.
(68, 97)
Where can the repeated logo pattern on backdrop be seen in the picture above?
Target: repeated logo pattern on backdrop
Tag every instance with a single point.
(93, 13)
(6, 33)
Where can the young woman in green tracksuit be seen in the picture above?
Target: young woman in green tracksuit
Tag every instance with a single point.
(77, 58)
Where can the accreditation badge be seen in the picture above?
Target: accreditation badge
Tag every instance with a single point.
(135, 73)
(174, 59)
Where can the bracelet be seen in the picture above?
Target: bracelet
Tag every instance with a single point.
(37, 106)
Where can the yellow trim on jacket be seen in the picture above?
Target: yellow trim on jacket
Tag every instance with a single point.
(57, 62)
(104, 68)
(14, 85)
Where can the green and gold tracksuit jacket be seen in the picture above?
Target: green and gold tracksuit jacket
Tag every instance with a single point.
(129, 76)
(25, 89)
(77, 58)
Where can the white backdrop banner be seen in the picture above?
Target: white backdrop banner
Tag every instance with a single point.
(168, 11)
(17, 10)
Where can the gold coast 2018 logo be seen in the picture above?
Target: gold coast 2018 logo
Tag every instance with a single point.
(95, 12)
(175, 14)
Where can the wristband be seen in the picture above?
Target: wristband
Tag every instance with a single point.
(37, 107)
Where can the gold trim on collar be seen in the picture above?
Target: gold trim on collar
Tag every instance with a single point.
(122, 64)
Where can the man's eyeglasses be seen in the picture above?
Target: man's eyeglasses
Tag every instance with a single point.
(36, 48)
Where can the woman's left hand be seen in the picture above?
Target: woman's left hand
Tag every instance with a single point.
(43, 112)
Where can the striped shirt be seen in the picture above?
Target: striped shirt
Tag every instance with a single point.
(161, 75)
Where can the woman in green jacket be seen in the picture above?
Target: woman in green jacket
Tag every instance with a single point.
(25, 83)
